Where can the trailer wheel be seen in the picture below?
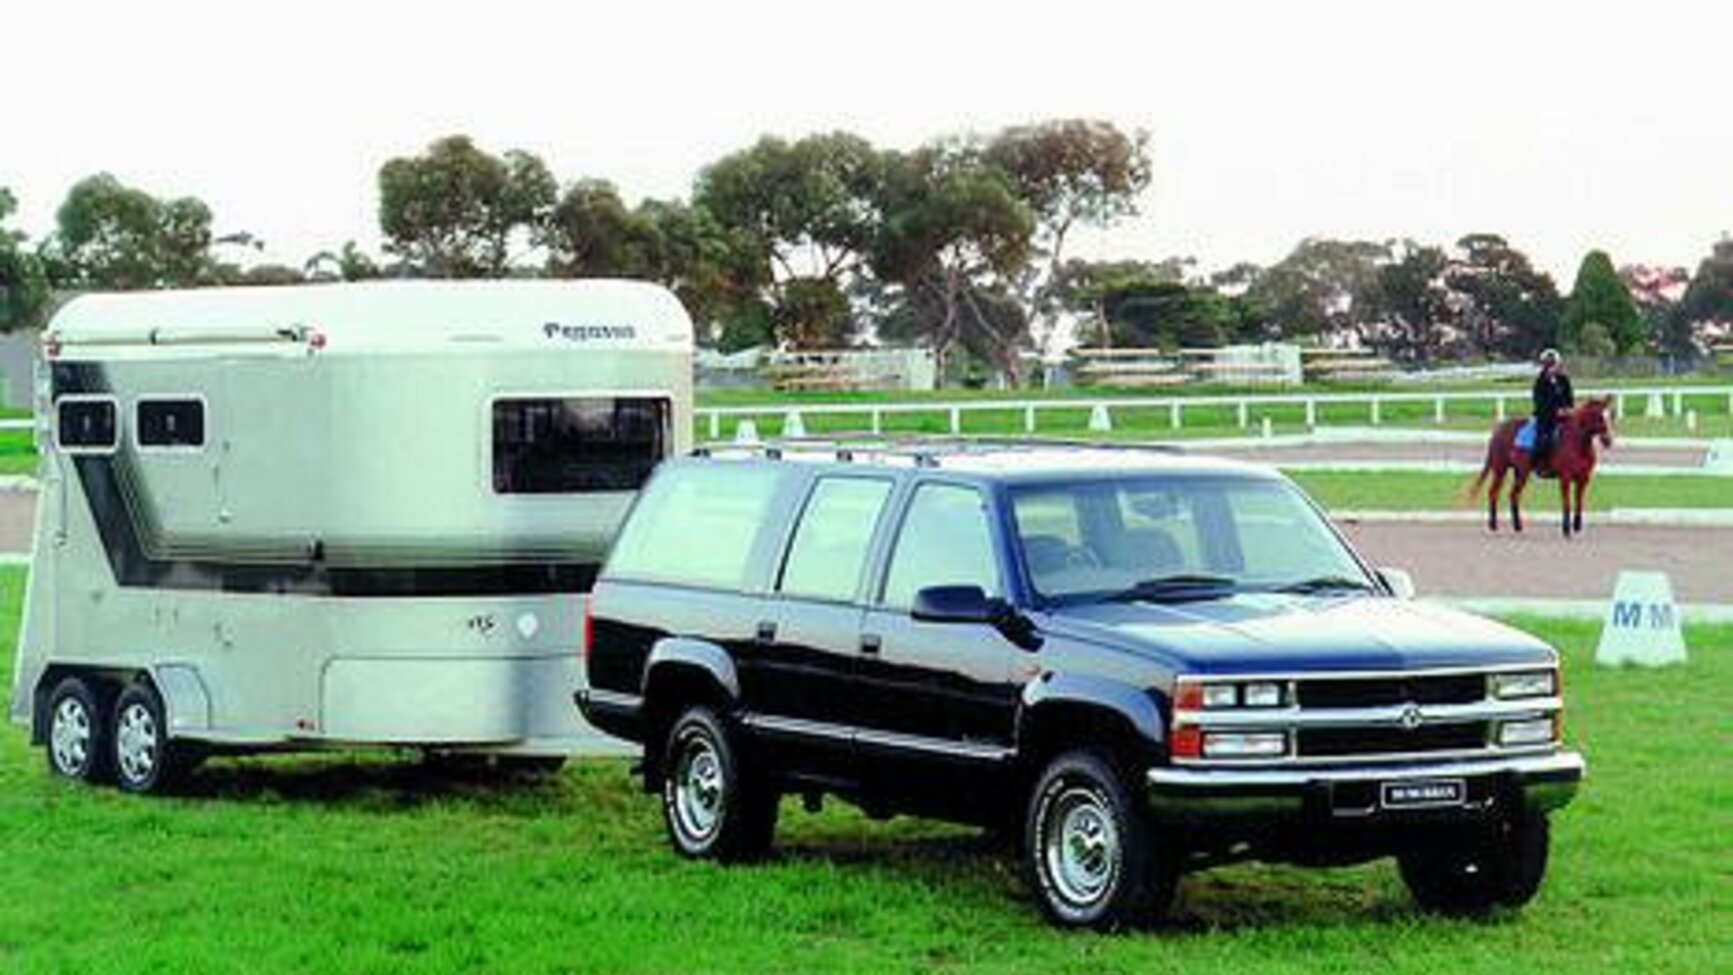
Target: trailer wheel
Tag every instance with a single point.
(77, 745)
(146, 759)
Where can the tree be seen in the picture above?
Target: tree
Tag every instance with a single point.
(1504, 307)
(1067, 172)
(111, 236)
(1408, 305)
(1144, 305)
(348, 263)
(24, 288)
(1312, 291)
(1709, 298)
(1600, 296)
(456, 211)
(1657, 293)
(807, 210)
(952, 234)
(592, 233)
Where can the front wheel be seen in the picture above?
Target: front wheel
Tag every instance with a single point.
(712, 804)
(1091, 858)
(1472, 872)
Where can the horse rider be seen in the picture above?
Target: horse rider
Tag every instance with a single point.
(1552, 399)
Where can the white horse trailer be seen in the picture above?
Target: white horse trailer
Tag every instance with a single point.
(333, 515)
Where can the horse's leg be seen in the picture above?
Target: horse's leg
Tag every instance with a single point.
(1516, 496)
(1492, 497)
(1564, 504)
(1577, 518)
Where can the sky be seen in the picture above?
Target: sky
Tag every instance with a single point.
(1564, 126)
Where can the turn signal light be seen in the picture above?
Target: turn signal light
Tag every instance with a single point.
(1186, 742)
(589, 628)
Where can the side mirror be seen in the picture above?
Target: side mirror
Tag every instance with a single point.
(956, 604)
(1398, 581)
(971, 604)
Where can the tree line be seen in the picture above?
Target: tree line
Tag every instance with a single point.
(959, 245)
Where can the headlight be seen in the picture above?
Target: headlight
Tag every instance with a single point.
(1220, 695)
(1263, 695)
(1533, 683)
(1535, 731)
(1238, 744)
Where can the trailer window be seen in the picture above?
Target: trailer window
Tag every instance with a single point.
(576, 445)
(170, 423)
(87, 425)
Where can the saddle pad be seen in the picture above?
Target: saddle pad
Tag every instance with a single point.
(1525, 436)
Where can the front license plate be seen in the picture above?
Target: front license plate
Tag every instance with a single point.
(1423, 793)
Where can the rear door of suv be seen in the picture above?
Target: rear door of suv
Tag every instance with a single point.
(799, 674)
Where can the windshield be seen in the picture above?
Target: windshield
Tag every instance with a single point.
(1178, 536)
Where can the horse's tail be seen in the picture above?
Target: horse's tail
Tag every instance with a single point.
(1471, 493)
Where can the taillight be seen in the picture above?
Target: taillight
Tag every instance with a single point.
(589, 627)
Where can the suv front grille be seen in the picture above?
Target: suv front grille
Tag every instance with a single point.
(1363, 692)
(1310, 742)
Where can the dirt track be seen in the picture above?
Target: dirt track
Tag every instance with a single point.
(1464, 559)
(1463, 453)
(1453, 559)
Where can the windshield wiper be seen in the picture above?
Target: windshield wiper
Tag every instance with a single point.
(1184, 585)
(1325, 584)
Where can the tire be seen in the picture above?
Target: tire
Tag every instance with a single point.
(78, 733)
(1089, 851)
(1471, 873)
(145, 759)
(713, 805)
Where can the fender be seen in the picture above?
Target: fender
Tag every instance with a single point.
(681, 651)
(184, 697)
(1137, 706)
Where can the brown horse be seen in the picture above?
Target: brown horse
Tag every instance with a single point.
(1572, 462)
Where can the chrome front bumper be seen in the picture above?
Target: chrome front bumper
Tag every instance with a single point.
(1179, 793)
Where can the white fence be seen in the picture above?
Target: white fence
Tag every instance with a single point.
(1649, 401)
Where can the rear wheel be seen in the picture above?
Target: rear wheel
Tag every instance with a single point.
(1091, 858)
(1474, 871)
(146, 759)
(77, 745)
(713, 804)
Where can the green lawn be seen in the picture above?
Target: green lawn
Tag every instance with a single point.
(1429, 491)
(340, 865)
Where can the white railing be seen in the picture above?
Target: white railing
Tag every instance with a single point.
(1658, 401)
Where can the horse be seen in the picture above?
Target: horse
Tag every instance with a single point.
(1572, 462)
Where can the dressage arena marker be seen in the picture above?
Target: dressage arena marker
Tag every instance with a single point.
(746, 432)
(1099, 421)
(793, 425)
(1642, 624)
(1720, 457)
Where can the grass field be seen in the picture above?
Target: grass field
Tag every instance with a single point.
(1429, 491)
(344, 864)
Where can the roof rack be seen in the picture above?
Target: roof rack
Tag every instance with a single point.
(921, 451)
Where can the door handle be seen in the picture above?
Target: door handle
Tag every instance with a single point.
(871, 644)
(766, 632)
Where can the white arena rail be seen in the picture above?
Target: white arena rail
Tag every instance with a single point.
(1656, 401)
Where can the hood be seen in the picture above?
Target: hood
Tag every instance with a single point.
(1265, 632)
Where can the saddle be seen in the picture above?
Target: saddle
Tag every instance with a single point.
(1527, 439)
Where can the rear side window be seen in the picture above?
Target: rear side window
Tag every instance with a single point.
(170, 423)
(945, 541)
(830, 545)
(87, 425)
(696, 526)
(574, 445)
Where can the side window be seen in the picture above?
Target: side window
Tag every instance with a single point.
(170, 423)
(830, 545)
(574, 445)
(88, 425)
(696, 525)
(945, 540)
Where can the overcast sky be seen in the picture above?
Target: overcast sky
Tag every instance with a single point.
(1564, 126)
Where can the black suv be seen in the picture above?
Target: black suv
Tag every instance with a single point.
(1135, 662)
